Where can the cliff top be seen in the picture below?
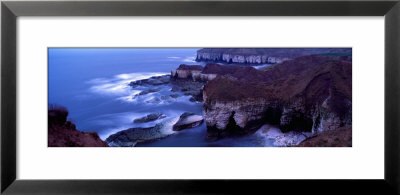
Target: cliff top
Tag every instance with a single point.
(277, 52)
(245, 73)
(303, 75)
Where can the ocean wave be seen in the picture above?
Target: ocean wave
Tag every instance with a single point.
(118, 85)
(166, 127)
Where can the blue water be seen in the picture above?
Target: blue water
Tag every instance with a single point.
(92, 83)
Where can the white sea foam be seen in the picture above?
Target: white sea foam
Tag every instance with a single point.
(281, 139)
(166, 128)
(173, 57)
(168, 123)
(124, 120)
(118, 85)
(189, 59)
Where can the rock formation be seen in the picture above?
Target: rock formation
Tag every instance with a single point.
(185, 71)
(188, 120)
(192, 72)
(63, 133)
(153, 81)
(261, 55)
(310, 93)
(149, 118)
(131, 137)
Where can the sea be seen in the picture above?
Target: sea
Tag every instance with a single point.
(92, 83)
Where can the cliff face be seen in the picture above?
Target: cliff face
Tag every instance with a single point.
(311, 93)
(63, 133)
(192, 72)
(186, 71)
(261, 55)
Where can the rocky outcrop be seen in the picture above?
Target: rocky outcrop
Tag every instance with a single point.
(262, 55)
(190, 80)
(63, 133)
(188, 120)
(189, 87)
(152, 81)
(192, 72)
(225, 118)
(131, 137)
(311, 93)
(341, 137)
(186, 71)
(149, 118)
(187, 79)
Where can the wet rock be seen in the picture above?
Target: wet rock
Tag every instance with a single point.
(155, 100)
(174, 95)
(187, 120)
(130, 137)
(192, 99)
(341, 137)
(149, 117)
(189, 88)
(148, 91)
(165, 97)
(152, 81)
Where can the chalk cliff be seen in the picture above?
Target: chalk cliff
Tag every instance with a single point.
(311, 93)
(261, 55)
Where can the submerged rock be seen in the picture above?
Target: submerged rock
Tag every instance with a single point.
(187, 120)
(155, 100)
(189, 88)
(174, 95)
(148, 91)
(149, 117)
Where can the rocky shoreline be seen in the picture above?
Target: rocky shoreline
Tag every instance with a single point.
(309, 94)
(133, 136)
(301, 100)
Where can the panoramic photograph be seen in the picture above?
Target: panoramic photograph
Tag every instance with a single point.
(199, 97)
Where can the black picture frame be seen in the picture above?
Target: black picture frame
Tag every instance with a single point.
(11, 10)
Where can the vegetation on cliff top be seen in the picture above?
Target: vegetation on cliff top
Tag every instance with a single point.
(281, 81)
(63, 133)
